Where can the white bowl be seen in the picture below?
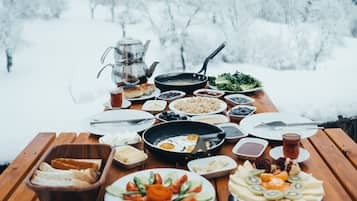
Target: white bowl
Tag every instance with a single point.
(243, 141)
(231, 166)
(181, 94)
(234, 117)
(219, 93)
(229, 99)
(211, 119)
(160, 104)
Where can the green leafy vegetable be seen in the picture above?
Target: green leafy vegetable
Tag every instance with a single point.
(234, 82)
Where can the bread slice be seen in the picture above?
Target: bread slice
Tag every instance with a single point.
(85, 175)
(77, 164)
(58, 182)
(133, 92)
(147, 89)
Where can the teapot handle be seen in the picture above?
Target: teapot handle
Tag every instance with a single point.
(100, 71)
(105, 53)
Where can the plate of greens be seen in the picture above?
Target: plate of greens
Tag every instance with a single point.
(237, 82)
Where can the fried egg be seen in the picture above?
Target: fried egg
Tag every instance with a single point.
(183, 143)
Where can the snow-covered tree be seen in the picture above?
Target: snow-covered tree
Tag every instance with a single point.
(111, 4)
(40, 8)
(10, 27)
(128, 12)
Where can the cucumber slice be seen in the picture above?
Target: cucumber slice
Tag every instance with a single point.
(251, 180)
(204, 196)
(293, 179)
(293, 195)
(297, 186)
(256, 172)
(114, 190)
(257, 189)
(273, 195)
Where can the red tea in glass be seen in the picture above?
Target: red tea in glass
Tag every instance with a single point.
(291, 146)
(116, 97)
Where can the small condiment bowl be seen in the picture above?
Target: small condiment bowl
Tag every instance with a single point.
(227, 169)
(234, 134)
(180, 95)
(128, 165)
(211, 93)
(154, 106)
(250, 148)
(211, 119)
(237, 118)
(230, 99)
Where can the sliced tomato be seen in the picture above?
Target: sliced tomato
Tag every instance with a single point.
(158, 179)
(130, 186)
(175, 187)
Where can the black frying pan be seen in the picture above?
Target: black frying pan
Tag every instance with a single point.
(162, 131)
(198, 80)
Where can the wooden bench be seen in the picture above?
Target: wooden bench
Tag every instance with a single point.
(333, 159)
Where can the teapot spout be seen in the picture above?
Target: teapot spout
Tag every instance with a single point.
(146, 46)
(151, 69)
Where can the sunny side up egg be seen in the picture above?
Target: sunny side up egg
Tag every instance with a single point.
(184, 143)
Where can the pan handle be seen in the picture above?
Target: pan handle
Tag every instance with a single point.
(211, 56)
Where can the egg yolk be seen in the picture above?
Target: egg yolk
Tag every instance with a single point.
(192, 137)
(167, 145)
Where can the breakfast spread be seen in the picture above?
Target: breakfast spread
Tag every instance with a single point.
(198, 105)
(281, 181)
(64, 172)
(129, 155)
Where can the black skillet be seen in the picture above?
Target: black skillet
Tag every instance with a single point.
(198, 80)
(162, 131)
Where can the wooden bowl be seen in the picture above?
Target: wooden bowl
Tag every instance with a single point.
(80, 151)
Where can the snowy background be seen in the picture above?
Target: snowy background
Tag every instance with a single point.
(303, 51)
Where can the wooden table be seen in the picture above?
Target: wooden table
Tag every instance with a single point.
(333, 160)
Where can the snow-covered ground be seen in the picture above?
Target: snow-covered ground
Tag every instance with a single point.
(53, 87)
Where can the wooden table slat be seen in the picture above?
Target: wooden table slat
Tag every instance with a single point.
(22, 193)
(18, 169)
(347, 146)
(341, 167)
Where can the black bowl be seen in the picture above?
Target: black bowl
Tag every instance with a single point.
(162, 131)
(198, 81)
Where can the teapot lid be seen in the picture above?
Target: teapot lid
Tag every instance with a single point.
(129, 41)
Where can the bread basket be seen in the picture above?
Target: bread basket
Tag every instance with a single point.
(79, 151)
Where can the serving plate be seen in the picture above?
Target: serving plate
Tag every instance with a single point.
(222, 107)
(118, 128)
(250, 123)
(121, 183)
(125, 104)
(277, 152)
(146, 97)
(237, 92)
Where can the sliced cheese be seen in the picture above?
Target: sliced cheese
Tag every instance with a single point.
(313, 191)
(239, 181)
(243, 193)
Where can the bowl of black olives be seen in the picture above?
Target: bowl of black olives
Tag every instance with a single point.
(171, 116)
(238, 112)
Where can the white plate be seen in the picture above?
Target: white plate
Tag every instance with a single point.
(252, 140)
(118, 128)
(146, 97)
(301, 174)
(277, 152)
(237, 92)
(202, 118)
(223, 107)
(228, 99)
(206, 185)
(157, 116)
(126, 104)
(249, 125)
(231, 165)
